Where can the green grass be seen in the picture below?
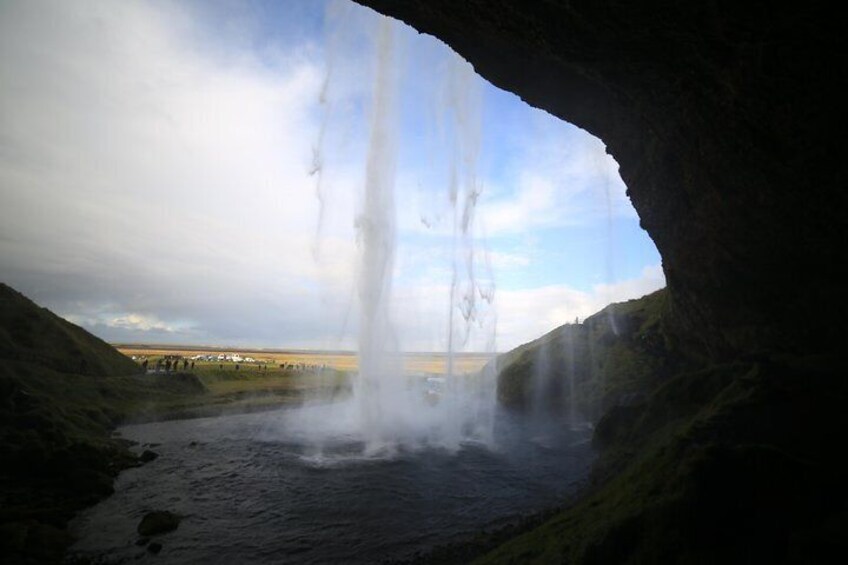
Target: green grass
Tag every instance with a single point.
(249, 388)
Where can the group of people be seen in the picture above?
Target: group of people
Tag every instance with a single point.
(303, 366)
(170, 365)
(173, 365)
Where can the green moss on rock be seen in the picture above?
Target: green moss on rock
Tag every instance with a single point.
(614, 357)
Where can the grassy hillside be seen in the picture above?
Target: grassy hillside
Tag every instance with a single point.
(62, 390)
(614, 357)
(733, 463)
(35, 335)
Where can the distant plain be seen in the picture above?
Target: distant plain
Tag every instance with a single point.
(414, 363)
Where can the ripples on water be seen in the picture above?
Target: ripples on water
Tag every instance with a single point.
(249, 494)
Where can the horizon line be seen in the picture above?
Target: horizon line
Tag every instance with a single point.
(252, 349)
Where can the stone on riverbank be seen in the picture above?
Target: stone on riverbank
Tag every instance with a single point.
(158, 522)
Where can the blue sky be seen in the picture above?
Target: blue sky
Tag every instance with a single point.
(154, 175)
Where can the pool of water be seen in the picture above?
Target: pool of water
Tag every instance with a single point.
(250, 493)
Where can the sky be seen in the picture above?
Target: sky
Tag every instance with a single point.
(193, 172)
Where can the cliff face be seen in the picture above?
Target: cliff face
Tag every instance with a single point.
(724, 120)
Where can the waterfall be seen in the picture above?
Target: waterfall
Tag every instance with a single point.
(376, 235)
(471, 304)
(390, 410)
(568, 336)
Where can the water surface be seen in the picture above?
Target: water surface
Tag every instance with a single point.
(250, 494)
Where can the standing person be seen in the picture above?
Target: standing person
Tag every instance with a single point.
(185, 364)
(144, 365)
(192, 365)
(167, 365)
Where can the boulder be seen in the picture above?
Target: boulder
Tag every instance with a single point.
(158, 522)
(148, 456)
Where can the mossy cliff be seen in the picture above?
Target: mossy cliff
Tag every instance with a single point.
(734, 463)
(738, 463)
(614, 357)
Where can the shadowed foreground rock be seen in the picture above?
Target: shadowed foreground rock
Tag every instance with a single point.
(158, 522)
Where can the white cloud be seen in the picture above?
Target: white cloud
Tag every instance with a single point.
(155, 186)
(139, 168)
(502, 261)
(139, 322)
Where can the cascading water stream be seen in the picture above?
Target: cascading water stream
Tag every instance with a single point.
(376, 235)
(568, 336)
(390, 410)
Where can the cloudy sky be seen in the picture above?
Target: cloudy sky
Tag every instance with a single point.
(192, 172)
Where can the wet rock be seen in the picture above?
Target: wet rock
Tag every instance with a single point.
(148, 456)
(154, 547)
(158, 522)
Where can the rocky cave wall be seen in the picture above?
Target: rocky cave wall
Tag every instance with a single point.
(725, 118)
